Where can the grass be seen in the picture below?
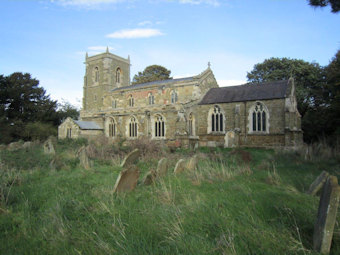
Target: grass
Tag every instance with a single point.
(245, 201)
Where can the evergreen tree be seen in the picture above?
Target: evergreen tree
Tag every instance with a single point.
(152, 73)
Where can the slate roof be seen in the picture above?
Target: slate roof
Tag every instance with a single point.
(88, 125)
(246, 92)
(158, 83)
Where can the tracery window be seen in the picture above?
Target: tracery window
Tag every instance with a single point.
(174, 97)
(133, 127)
(159, 126)
(96, 74)
(216, 117)
(112, 128)
(118, 72)
(131, 101)
(259, 118)
(114, 103)
(151, 99)
(191, 125)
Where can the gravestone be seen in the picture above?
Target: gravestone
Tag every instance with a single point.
(180, 166)
(162, 167)
(229, 139)
(328, 206)
(318, 183)
(14, 146)
(131, 158)
(83, 158)
(192, 163)
(48, 147)
(150, 177)
(127, 179)
(27, 145)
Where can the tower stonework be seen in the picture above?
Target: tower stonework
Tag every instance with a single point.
(104, 72)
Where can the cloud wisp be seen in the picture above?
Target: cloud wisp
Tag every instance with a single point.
(86, 3)
(135, 33)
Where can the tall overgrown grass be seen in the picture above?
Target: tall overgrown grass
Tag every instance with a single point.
(237, 201)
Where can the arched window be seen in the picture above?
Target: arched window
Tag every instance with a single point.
(217, 119)
(112, 128)
(131, 101)
(133, 127)
(118, 72)
(174, 97)
(259, 118)
(96, 74)
(159, 126)
(191, 125)
(114, 103)
(151, 99)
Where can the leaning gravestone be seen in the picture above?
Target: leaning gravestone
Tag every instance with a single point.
(149, 177)
(131, 158)
(162, 167)
(127, 179)
(48, 147)
(318, 183)
(180, 166)
(328, 206)
(83, 158)
(192, 163)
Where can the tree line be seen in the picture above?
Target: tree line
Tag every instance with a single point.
(26, 111)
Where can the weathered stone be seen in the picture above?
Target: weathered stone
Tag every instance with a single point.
(180, 166)
(48, 147)
(150, 177)
(14, 146)
(328, 206)
(230, 139)
(162, 167)
(131, 158)
(192, 163)
(318, 183)
(2, 147)
(83, 158)
(27, 145)
(127, 179)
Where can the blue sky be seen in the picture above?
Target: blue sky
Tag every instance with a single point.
(49, 39)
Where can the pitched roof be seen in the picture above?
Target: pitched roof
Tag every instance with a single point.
(246, 92)
(88, 125)
(158, 83)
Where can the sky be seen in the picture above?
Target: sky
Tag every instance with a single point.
(49, 39)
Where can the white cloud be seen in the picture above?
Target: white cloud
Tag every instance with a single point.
(196, 2)
(145, 23)
(135, 33)
(85, 3)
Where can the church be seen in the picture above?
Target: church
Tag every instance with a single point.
(186, 112)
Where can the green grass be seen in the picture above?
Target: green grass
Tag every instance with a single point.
(245, 202)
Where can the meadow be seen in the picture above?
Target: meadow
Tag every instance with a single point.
(238, 201)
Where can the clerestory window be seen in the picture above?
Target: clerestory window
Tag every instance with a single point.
(131, 101)
(174, 97)
(151, 99)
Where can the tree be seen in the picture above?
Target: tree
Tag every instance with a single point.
(152, 73)
(65, 109)
(309, 79)
(335, 4)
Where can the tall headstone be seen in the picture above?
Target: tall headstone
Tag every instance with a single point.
(324, 225)
(83, 158)
(127, 179)
(192, 163)
(150, 177)
(131, 158)
(48, 147)
(318, 183)
(162, 167)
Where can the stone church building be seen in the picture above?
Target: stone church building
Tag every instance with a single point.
(190, 111)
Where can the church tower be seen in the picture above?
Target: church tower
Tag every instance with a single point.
(104, 72)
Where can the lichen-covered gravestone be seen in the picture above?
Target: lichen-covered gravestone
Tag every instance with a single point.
(127, 179)
(14, 146)
(83, 158)
(131, 158)
(192, 163)
(180, 166)
(328, 206)
(48, 147)
(162, 167)
(150, 177)
(318, 183)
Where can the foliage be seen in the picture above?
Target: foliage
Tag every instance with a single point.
(66, 109)
(222, 208)
(335, 4)
(152, 73)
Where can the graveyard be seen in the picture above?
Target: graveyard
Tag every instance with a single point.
(81, 197)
